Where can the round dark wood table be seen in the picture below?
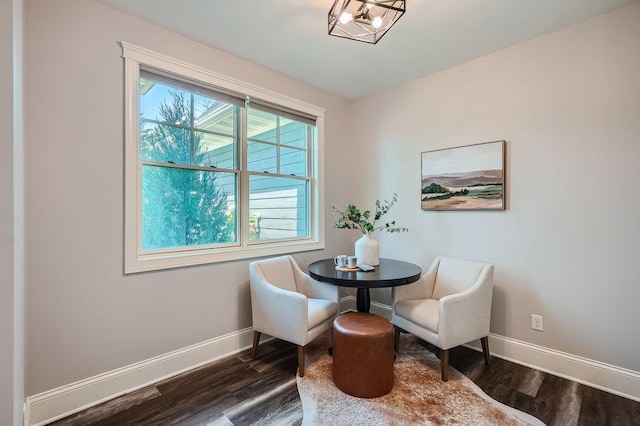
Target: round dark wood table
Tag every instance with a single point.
(389, 273)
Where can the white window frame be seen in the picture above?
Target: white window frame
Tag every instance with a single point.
(135, 260)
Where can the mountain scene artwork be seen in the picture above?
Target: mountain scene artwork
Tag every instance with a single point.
(464, 178)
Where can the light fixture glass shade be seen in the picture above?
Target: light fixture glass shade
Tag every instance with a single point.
(364, 14)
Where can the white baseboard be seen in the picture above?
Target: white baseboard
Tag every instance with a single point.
(348, 303)
(57, 403)
(606, 377)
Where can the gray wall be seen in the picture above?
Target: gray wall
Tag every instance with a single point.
(568, 104)
(85, 317)
(11, 230)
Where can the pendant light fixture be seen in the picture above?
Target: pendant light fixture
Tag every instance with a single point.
(364, 20)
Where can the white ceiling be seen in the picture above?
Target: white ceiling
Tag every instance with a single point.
(290, 36)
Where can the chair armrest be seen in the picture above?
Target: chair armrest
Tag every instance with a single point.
(465, 316)
(313, 288)
(319, 290)
(421, 289)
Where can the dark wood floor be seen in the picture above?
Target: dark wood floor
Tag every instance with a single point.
(242, 391)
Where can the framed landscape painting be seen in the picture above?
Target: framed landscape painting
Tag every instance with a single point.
(464, 178)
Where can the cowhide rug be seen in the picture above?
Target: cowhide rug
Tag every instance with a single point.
(418, 396)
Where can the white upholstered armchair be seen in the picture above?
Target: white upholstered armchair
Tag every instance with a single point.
(288, 304)
(448, 306)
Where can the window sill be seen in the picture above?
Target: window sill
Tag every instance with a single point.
(154, 262)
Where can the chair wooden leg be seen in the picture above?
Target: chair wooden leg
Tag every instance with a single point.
(256, 342)
(396, 339)
(485, 349)
(301, 360)
(444, 364)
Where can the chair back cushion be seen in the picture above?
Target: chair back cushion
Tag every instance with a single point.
(455, 276)
(279, 272)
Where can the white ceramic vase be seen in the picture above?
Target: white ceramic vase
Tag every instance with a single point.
(367, 250)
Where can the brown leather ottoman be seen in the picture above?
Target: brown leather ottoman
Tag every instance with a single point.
(363, 354)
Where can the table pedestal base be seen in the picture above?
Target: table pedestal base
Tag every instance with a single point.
(363, 300)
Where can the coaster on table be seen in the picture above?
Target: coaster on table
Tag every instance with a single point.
(346, 269)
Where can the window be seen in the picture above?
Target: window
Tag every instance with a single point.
(215, 169)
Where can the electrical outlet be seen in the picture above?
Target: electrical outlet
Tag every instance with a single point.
(536, 322)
